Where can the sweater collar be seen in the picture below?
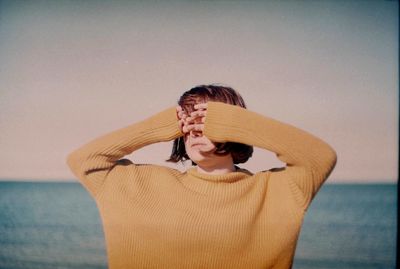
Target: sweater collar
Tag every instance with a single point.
(239, 174)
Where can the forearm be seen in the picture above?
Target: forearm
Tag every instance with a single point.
(302, 152)
(94, 160)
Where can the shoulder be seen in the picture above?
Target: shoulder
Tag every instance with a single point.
(127, 177)
(159, 169)
(125, 166)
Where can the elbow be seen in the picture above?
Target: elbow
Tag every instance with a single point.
(330, 157)
(324, 160)
(73, 162)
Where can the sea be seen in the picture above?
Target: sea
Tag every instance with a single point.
(57, 226)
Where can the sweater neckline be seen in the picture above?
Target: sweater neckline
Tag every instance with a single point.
(230, 177)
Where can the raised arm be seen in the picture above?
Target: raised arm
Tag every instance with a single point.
(92, 162)
(308, 159)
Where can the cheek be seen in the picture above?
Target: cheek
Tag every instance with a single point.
(187, 148)
(185, 140)
(210, 145)
(193, 155)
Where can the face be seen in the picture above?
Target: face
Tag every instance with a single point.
(201, 150)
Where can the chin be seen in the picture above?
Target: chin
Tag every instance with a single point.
(199, 160)
(205, 162)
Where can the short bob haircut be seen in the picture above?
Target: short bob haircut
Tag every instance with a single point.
(201, 94)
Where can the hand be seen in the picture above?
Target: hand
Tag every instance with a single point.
(181, 114)
(194, 122)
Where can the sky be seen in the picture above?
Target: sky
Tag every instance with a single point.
(73, 70)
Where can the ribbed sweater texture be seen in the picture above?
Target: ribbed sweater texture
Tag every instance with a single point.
(158, 217)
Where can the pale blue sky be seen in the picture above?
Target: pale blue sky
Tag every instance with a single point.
(73, 70)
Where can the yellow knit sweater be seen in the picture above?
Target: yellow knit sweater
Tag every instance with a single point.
(158, 217)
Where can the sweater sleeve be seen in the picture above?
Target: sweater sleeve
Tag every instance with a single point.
(92, 162)
(308, 159)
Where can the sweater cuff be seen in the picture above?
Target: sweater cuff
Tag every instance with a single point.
(164, 125)
(224, 122)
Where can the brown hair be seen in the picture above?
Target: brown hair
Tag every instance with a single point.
(203, 93)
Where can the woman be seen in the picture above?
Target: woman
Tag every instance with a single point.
(215, 215)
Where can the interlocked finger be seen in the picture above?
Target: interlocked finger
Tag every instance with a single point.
(198, 113)
(200, 106)
(195, 127)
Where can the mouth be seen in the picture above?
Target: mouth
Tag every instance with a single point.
(197, 145)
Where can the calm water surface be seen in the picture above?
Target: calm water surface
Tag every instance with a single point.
(57, 225)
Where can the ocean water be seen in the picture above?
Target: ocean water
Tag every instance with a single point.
(350, 226)
(57, 225)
